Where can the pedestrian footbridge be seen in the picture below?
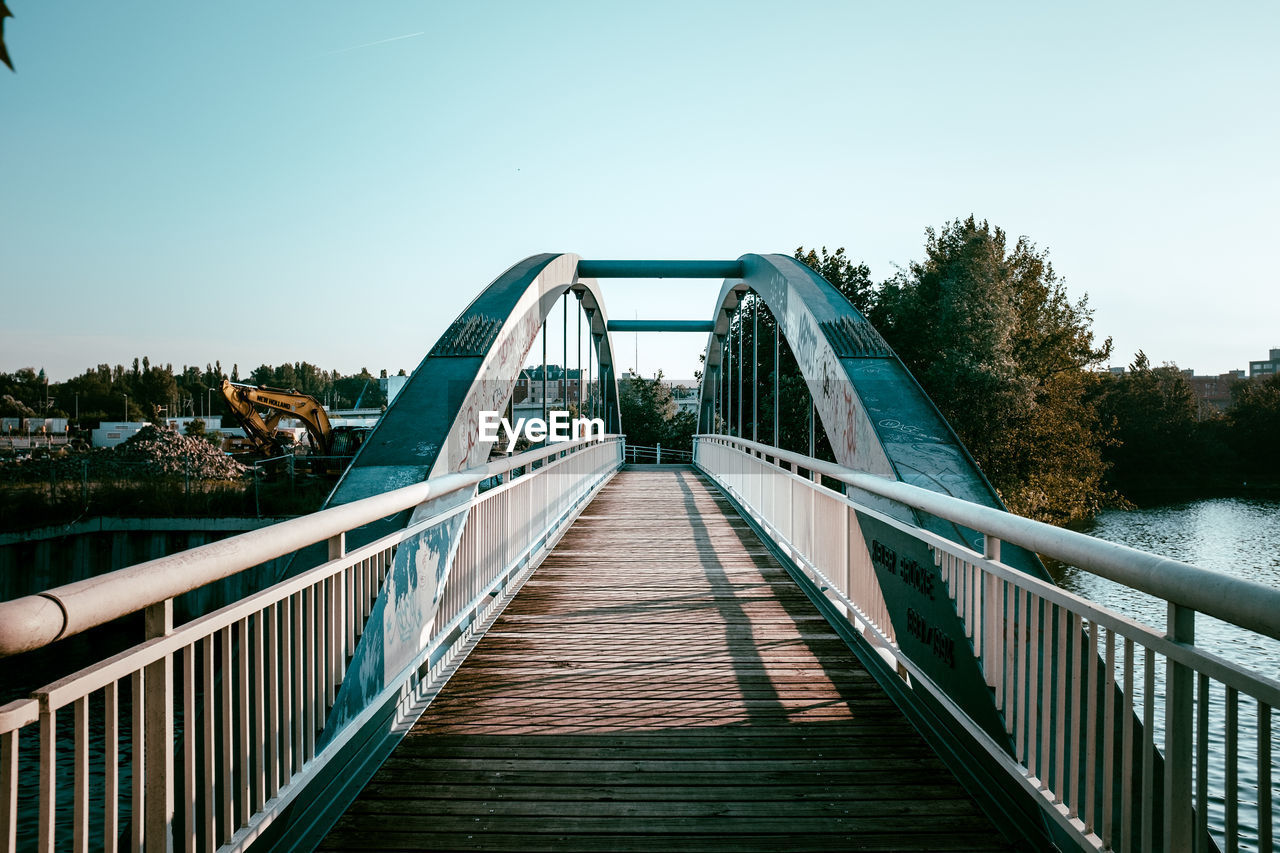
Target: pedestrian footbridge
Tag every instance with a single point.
(749, 649)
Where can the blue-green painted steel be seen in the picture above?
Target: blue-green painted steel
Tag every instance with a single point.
(875, 414)
(661, 326)
(659, 269)
(430, 427)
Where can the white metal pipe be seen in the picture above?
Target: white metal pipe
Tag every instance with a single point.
(1246, 603)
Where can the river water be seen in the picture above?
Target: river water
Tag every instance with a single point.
(1239, 537)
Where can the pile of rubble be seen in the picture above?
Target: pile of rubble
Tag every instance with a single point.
(153, 453)
(161, 452)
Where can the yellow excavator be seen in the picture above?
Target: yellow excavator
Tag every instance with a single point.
(245, 401)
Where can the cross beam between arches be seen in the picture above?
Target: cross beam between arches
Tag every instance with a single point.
(660, 269)
(703, 326)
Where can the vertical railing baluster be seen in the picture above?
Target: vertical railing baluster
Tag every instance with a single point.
(1202, 763)
(1075, 731)
(1126, 754)
(337, 611)
(1149, 792)
(112, 767)
(991, 617)
(1266, 819)
(975, 583)
(306, 663)
(1091, 728)
(227, 747)
(1231, 771)
(359, 591)
(1046, 697)
(138, 747)
(190, 737)
(210, 828)
(48, 778)
(1179, 827)
(244, 772)
(1009, 667)
(337, 635)
(1061, 685)
(159, 762)
(289, 689)
(260, 677)
(350, 616)
(1031, 656)
(1018, 612)
(80, 837)
(320, 653)
(273, 680)
(1109, 741)
(9, 778)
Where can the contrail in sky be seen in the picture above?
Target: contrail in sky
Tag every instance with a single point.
(372, 43)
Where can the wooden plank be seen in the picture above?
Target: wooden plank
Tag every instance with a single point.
(348, 837)
(661, 684)
(639, 797)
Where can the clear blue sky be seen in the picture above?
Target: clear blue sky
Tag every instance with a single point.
(333, 182)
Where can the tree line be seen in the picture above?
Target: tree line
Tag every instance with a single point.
(988, 330)
(152, 392)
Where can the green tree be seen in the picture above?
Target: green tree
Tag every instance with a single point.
(1254, 423)
(361, 387)
(1150, 415)
(852, 280)
(650, 415)
(995, 341)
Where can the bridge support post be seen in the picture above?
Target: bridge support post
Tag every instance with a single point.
(755, 364)
(741, 432)
(158, 736)
(777, 379)
(1179, 832)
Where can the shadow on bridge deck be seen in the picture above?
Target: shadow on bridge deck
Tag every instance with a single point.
(660, 683)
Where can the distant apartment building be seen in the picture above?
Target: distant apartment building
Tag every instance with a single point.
(687, 394)
(1263, 369)
(564, 388)
(1213, 393)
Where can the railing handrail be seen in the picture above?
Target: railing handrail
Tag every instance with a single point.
(1246, 603)
(34, 621)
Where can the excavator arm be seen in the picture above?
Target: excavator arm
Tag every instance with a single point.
(244, 401)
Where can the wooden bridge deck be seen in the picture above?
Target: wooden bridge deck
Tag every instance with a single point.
(660, 683)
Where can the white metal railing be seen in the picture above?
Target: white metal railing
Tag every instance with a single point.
(220, 716)
(1084, 746)
(638, 454)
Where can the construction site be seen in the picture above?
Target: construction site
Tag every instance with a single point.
(280, 458)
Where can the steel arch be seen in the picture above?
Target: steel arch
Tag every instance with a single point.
(432, 428)
(876, 415)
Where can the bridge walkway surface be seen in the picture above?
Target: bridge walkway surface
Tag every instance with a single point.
(661, 683)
